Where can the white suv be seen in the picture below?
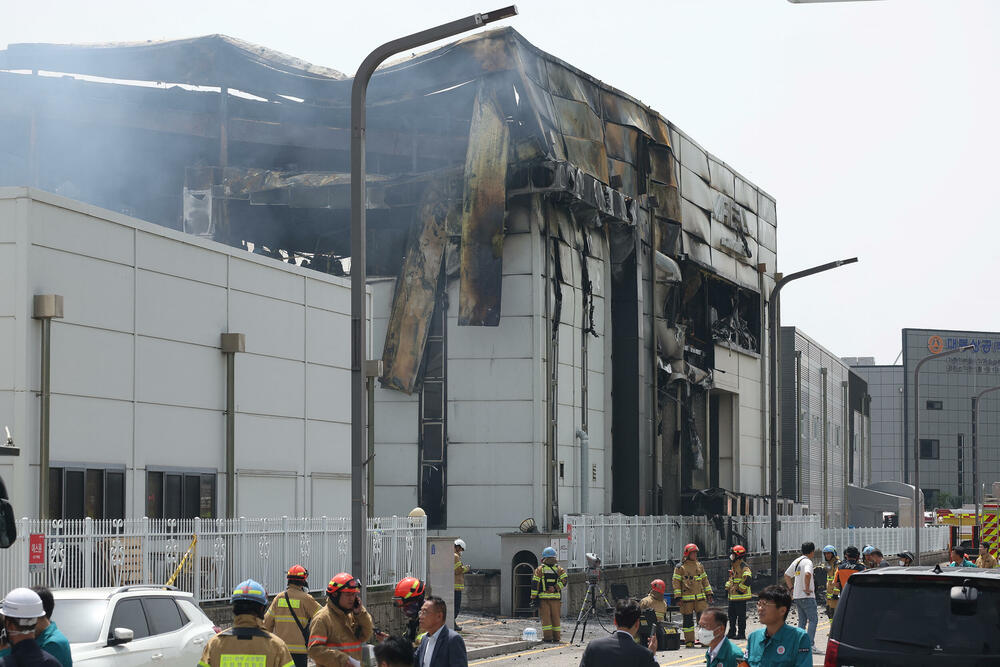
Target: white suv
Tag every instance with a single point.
(132, 625)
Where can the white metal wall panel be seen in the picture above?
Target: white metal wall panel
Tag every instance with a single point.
(91, 362)
(164, 255)
(267, 442)
(694, 158)
(746, 195)
(328, 392)
(489, 421)
(75, 278)
(191, 436)
(8, 274)
(179, 309)
(89, 430)
(75, 231)
(165, 371)
(166, 409)
(722, 178)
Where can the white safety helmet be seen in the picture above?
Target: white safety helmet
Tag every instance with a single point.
(22, 603)
(460, 544)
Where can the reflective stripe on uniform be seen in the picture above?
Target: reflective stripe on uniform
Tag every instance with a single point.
(283, 602)
(242, 660)
(317, 639)
(346, 647)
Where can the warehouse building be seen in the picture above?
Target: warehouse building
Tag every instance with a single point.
(824, 428)
(567, 290)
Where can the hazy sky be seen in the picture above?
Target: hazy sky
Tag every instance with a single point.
(873, 124)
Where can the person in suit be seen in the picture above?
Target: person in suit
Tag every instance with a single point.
(620, 648)
(711, 633)
(441, 646)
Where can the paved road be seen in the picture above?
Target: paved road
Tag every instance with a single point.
(566, 655)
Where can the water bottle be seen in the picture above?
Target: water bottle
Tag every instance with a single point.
(529, 635)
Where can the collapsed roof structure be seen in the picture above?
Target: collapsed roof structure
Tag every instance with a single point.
(250, 147)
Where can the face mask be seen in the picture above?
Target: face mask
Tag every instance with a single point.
(706, 637)
(902, 563)
(732, 557)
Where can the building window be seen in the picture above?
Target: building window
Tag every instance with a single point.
(180, 495)
(82, 493)
(930, 449)
(935, 405)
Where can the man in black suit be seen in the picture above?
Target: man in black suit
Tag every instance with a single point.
(441, 646)
(619, 648)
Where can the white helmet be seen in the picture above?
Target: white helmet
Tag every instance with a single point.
(460, 544)
(22, 603)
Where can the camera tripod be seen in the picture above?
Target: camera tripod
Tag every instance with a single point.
(590, 609)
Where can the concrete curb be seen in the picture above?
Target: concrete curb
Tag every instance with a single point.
(501, 649)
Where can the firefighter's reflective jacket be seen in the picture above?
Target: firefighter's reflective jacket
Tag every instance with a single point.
(654, 601)
(460, 570)
(691, 582)
(832, 580)
(738, 584)
(546, 576)
(246, 643)
(290, 611)
(335, 635)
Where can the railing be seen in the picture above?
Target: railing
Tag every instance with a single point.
(629, 541)
(87, 553)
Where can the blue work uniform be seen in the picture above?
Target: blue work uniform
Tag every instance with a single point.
(789, 646)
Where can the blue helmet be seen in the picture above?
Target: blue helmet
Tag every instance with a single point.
(250, 591)
(548, 552)
(867, 550)
(830, 549)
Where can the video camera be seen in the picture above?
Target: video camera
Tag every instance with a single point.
(593, 568)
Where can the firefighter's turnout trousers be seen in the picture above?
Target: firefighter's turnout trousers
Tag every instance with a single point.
(547, 584)
(738, 588)
(691, 590)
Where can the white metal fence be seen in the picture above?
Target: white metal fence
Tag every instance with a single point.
(644, 540)
(219, 552)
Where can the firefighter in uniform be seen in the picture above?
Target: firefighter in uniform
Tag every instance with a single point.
(692, 590)
(655, 604)
(340, 629)
(847, 567)
(546, 591)
(246, 643)
(290, 613)
(986, 559)
(738, 588)
(832, 585)
(461, 569)
(409, 596)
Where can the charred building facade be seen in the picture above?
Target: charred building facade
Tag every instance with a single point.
(567, 290)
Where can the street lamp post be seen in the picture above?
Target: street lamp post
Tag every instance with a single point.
(359, 276)
(975, 452)
(773, 315)
(918, 515)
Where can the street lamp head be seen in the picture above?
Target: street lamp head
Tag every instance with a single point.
(852, 260)
(498, 14)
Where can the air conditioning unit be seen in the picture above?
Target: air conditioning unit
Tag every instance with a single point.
(198, 213)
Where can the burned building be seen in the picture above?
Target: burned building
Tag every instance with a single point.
(567, 289)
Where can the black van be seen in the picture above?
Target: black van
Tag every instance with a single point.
(917, 616)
